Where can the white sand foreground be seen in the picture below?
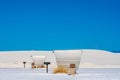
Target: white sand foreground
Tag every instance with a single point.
(83, 74)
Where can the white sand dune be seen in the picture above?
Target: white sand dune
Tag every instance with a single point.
(90, 58)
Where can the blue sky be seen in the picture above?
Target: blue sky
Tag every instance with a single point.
(59, 24)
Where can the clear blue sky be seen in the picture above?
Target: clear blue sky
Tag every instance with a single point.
(59, 24)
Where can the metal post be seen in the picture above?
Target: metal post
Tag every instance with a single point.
(46, 63)
(24, 64)
(47, 68)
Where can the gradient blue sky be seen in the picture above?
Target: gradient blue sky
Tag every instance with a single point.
(59, 24)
